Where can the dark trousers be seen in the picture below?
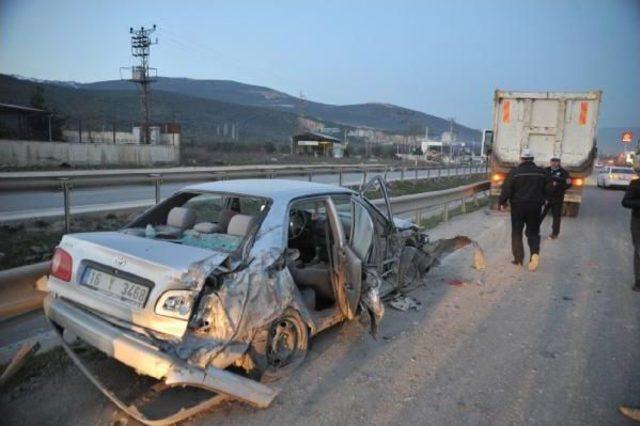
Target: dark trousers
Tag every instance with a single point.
(529, 216)
(635, 237)
(555, 207)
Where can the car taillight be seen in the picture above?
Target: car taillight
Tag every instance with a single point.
(497, 177)
(578, 182)
(61, 265)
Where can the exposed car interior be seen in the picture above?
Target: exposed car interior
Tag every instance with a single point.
(310, 234)
(206, 220)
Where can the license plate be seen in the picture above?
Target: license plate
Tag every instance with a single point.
(115, 287)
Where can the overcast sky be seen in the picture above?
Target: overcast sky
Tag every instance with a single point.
(441, 57)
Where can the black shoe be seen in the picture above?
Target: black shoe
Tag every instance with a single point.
(636, 287)
(552, 237)
(516, 263)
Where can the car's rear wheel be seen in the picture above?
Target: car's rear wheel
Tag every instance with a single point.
(279, 348)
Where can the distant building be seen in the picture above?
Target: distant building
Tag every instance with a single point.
(160, 134)
(318, 145)
(20, 122)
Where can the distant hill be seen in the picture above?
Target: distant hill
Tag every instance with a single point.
(202, 106)
(99, 109)
(609, 139)
(379, 116)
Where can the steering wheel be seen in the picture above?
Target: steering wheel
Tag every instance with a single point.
(297, 222)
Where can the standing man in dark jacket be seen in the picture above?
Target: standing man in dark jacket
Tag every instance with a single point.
(526, 187)
(561, 181)
(631, 200)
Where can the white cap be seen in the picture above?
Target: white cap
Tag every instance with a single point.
(526, 153)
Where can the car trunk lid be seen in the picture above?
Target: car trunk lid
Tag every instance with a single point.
(144, 267)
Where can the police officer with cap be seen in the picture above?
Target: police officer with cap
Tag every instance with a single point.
(561, 181)
(525, 188)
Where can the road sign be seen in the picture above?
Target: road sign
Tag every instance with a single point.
(627, 137)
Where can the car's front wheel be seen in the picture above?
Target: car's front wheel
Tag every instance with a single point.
(279, 348)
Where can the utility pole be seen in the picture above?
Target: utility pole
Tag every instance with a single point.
(141, 75)
(452, 122)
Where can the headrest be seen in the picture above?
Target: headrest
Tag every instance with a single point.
(240, 225)
(206, 227)
(225, 217)
(181, 217)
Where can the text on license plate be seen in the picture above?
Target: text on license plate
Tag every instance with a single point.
(115, 287)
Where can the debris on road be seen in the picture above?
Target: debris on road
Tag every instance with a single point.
(404, 303)
(632, 413)
(18, 360)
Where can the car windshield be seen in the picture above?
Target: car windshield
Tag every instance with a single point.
(623, 171)
(213, 221)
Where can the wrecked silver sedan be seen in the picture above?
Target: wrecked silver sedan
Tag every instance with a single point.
(235, 273)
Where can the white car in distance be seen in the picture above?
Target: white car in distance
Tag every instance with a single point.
(611, 176)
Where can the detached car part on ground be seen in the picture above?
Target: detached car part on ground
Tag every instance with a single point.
(234, 273)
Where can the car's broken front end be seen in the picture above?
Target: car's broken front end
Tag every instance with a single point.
(180, 309)
(207, 280)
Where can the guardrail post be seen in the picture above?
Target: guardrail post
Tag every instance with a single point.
(475, 199)
(310, 176)
(445, 212)
(417, 216)
(386, 169)
(340, 176)
(364, 178)
(463, 206)
(157, 179)
(402, 170)
(66, 193)
(415, 174)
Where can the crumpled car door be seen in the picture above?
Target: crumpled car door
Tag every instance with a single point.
(348, 267)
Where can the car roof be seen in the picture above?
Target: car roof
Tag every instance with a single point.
(268, 188)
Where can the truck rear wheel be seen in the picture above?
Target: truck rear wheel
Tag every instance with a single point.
(571, 209)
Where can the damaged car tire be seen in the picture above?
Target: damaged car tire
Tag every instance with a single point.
(276, 350)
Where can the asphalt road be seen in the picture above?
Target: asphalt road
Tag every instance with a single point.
(17, 205)
(557, 346)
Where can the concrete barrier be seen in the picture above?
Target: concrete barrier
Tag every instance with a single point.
(17, 153)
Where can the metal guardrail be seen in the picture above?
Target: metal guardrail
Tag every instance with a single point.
(26, 181)
(18, 292)
(418, 203)
(67, 180)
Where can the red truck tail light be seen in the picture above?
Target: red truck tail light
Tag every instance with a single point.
(497, 177)
(578, 181)
(61, 265)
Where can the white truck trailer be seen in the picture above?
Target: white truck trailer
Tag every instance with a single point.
(550, 124)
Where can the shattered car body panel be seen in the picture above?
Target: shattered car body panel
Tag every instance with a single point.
(308, 256)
